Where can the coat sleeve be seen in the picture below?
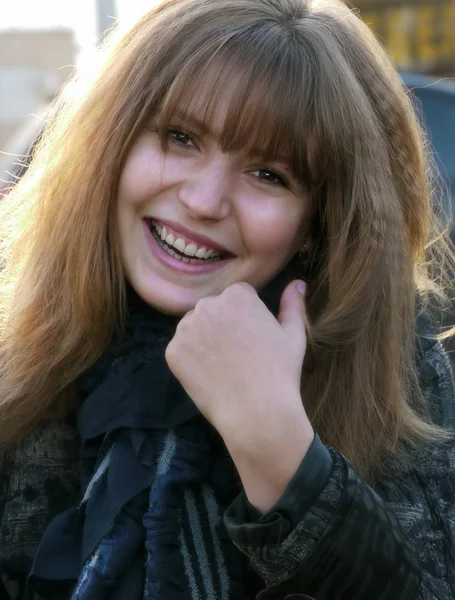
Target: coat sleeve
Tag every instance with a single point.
(393, 542)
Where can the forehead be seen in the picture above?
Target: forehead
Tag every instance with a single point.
(229, 104)
(209, 112)
(253, 107)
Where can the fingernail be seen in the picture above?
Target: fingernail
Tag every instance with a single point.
(301, 287)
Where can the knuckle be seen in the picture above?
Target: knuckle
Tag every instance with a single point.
(170, 352)
(184, 322)
(204, 303)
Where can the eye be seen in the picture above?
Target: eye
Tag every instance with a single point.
(180, 138)
(269, 177)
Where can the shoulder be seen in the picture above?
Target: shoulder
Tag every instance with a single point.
(39, 477)
(435, 375)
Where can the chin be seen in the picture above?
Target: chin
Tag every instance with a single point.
(174, 304)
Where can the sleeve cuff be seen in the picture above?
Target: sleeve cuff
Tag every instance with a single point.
(244, 522)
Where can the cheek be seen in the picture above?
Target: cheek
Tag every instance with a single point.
(274, 230)
(141, 173)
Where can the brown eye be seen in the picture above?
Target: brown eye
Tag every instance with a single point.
(179, 137)
(269, 177)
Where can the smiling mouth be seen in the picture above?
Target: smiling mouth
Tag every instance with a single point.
(176, 247)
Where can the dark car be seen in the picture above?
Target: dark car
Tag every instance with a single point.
(437, 101)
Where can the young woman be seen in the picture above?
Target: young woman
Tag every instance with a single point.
(218, 378)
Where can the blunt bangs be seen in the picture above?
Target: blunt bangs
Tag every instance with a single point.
(270, 111)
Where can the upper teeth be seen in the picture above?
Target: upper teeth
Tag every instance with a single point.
(179, 244)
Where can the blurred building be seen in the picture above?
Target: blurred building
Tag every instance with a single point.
(418, 34)
(33, 66)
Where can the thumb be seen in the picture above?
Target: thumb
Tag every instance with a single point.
(292, 310)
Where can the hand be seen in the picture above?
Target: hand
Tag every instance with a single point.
(242, 368)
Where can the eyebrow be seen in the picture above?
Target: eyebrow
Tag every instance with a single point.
(192, 120)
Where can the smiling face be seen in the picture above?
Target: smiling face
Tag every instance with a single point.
(194, 218)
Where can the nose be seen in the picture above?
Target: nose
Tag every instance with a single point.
(207, 191)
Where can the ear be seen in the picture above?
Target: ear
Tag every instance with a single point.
(307, 244)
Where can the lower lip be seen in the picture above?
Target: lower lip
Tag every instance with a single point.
(175, 263)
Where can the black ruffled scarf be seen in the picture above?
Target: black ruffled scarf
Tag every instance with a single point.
(157, 481)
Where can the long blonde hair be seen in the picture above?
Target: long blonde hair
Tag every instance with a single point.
(312, 80)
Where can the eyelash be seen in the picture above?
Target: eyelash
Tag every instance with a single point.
(174, 130)
(281, 181)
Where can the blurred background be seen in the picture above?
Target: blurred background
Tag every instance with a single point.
(41, 43)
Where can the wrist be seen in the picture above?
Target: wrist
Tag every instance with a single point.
(269, 459)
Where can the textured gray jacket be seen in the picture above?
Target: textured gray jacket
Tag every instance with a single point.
(393, 542)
